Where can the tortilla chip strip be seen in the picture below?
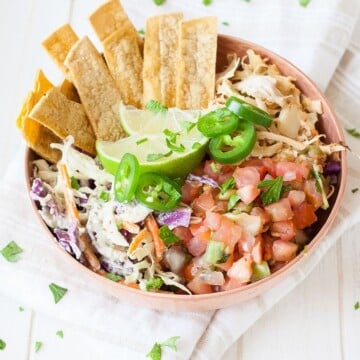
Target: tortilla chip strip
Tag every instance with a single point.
(58, 45)
(124, 60)
(64, 117)
(161, 58)
(110, 17)
(97, 90)
(197, 60)
(69, 90)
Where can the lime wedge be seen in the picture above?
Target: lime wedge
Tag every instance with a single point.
(166, 143)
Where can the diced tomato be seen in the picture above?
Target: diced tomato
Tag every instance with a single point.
(220, 206)
(296, 197)
(222, 173)
(231, 283)
(313, 196)
(304, 215)
(291, 170)
(251, 224)
(246, 243)
(270, 166)
(258, 250)
(228, 232)
(241, 269)
(268, 243)
(227, 264)
(197, 286)
(213, 220)
(196, 246)
(264, 166)
(277, 266)
(201, 231)
(190, 191)
(284, 250)
(264, 216)
(248, 193)
(204, 202)
(280, 211)
(191, 270)
(285, 230)
(246, 176)
(183, 233)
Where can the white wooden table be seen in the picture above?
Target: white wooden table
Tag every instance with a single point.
(315, 321)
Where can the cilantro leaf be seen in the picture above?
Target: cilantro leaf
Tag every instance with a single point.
(2, 344)
(104, 196)
(187, 125)
(155, 352)
(170, 135)
(320, 185)
(10, 251)
(304, 3)
(60, 334)
(154, 283)
(114, 277)
(141, 31)
(273, 191)
(21, 309)
(155, 106)
(353, 132)
(74, 183)
(214, 167)
(228, 184)
(354, 190)
(171, 342)
(167, 236)
(38, 346)
(357, 306)
(173, 147)
(140, 141)
(196, 145)
(57, 291)
(207, 2)
(232, 201)
(154, 157)
(225, 23)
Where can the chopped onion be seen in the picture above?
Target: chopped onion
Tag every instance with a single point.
(213, 277)
(175, 218)
(203, 179)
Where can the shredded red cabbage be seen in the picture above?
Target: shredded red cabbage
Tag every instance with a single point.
(177, 217)
(332, 168)
(38, 189)
(203, 179)
(69, 239)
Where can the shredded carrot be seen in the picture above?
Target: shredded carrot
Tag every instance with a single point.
(154, 231)
(137, 240)
(132, 285)
(130, 227)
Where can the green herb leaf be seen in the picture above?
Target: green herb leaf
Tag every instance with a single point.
(228, 184)
(155, 352)
(171, 135)
(171, 342)
(154, 284)
(207, 2)
(104, 196)
(141, 31)
(225, 23)
(2, 344)
(155, 106)
(60, 334)
(357, 306)
(196, 145)
(354, 190)
(21, 309)
(159, 2)
(232, 201)
(353, 132)
(154, 157)
(114, 277)
(214, 167)
(141, 141)
(167, 236)
(273, 192)
(38, 346)
(57, 291)
(173, 147)
(304, 3)
(10, 251)
(74, 183)
(187, 125)
(320, 185)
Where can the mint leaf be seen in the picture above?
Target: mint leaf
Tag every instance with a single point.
(155, 352)
(2, 344)
(154, 284)
(304, 3)
(60, 334)
(273, 192)
(155, 106)
(38, 346)
(353, 132)
(171, 342)
(10, 251)
(114, 277)
(154, 157)
(57, 291)
(74, 183)
(167, 236)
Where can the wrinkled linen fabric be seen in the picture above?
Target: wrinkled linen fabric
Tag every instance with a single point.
(324, 41)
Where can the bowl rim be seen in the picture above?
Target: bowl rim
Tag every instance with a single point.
(183, 301)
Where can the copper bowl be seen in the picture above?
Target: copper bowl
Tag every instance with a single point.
(328, 124)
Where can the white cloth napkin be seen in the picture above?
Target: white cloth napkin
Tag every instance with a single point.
(322, 39)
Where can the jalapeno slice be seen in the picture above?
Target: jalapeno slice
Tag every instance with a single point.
(231, 148)
(218, 122)
(248, 112)
(158, 192)
(126, 178)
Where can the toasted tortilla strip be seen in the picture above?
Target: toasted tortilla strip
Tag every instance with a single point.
(69, 90)
(161, 58)
(39, 138)
(58, 45)
(110, 17)
(97, 89)
(197, 59)
(65, 117)
(124, 60)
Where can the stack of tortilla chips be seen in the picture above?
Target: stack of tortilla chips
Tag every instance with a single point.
(174, 64)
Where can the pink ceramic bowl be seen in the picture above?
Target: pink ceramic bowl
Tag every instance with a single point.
(328, 124)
